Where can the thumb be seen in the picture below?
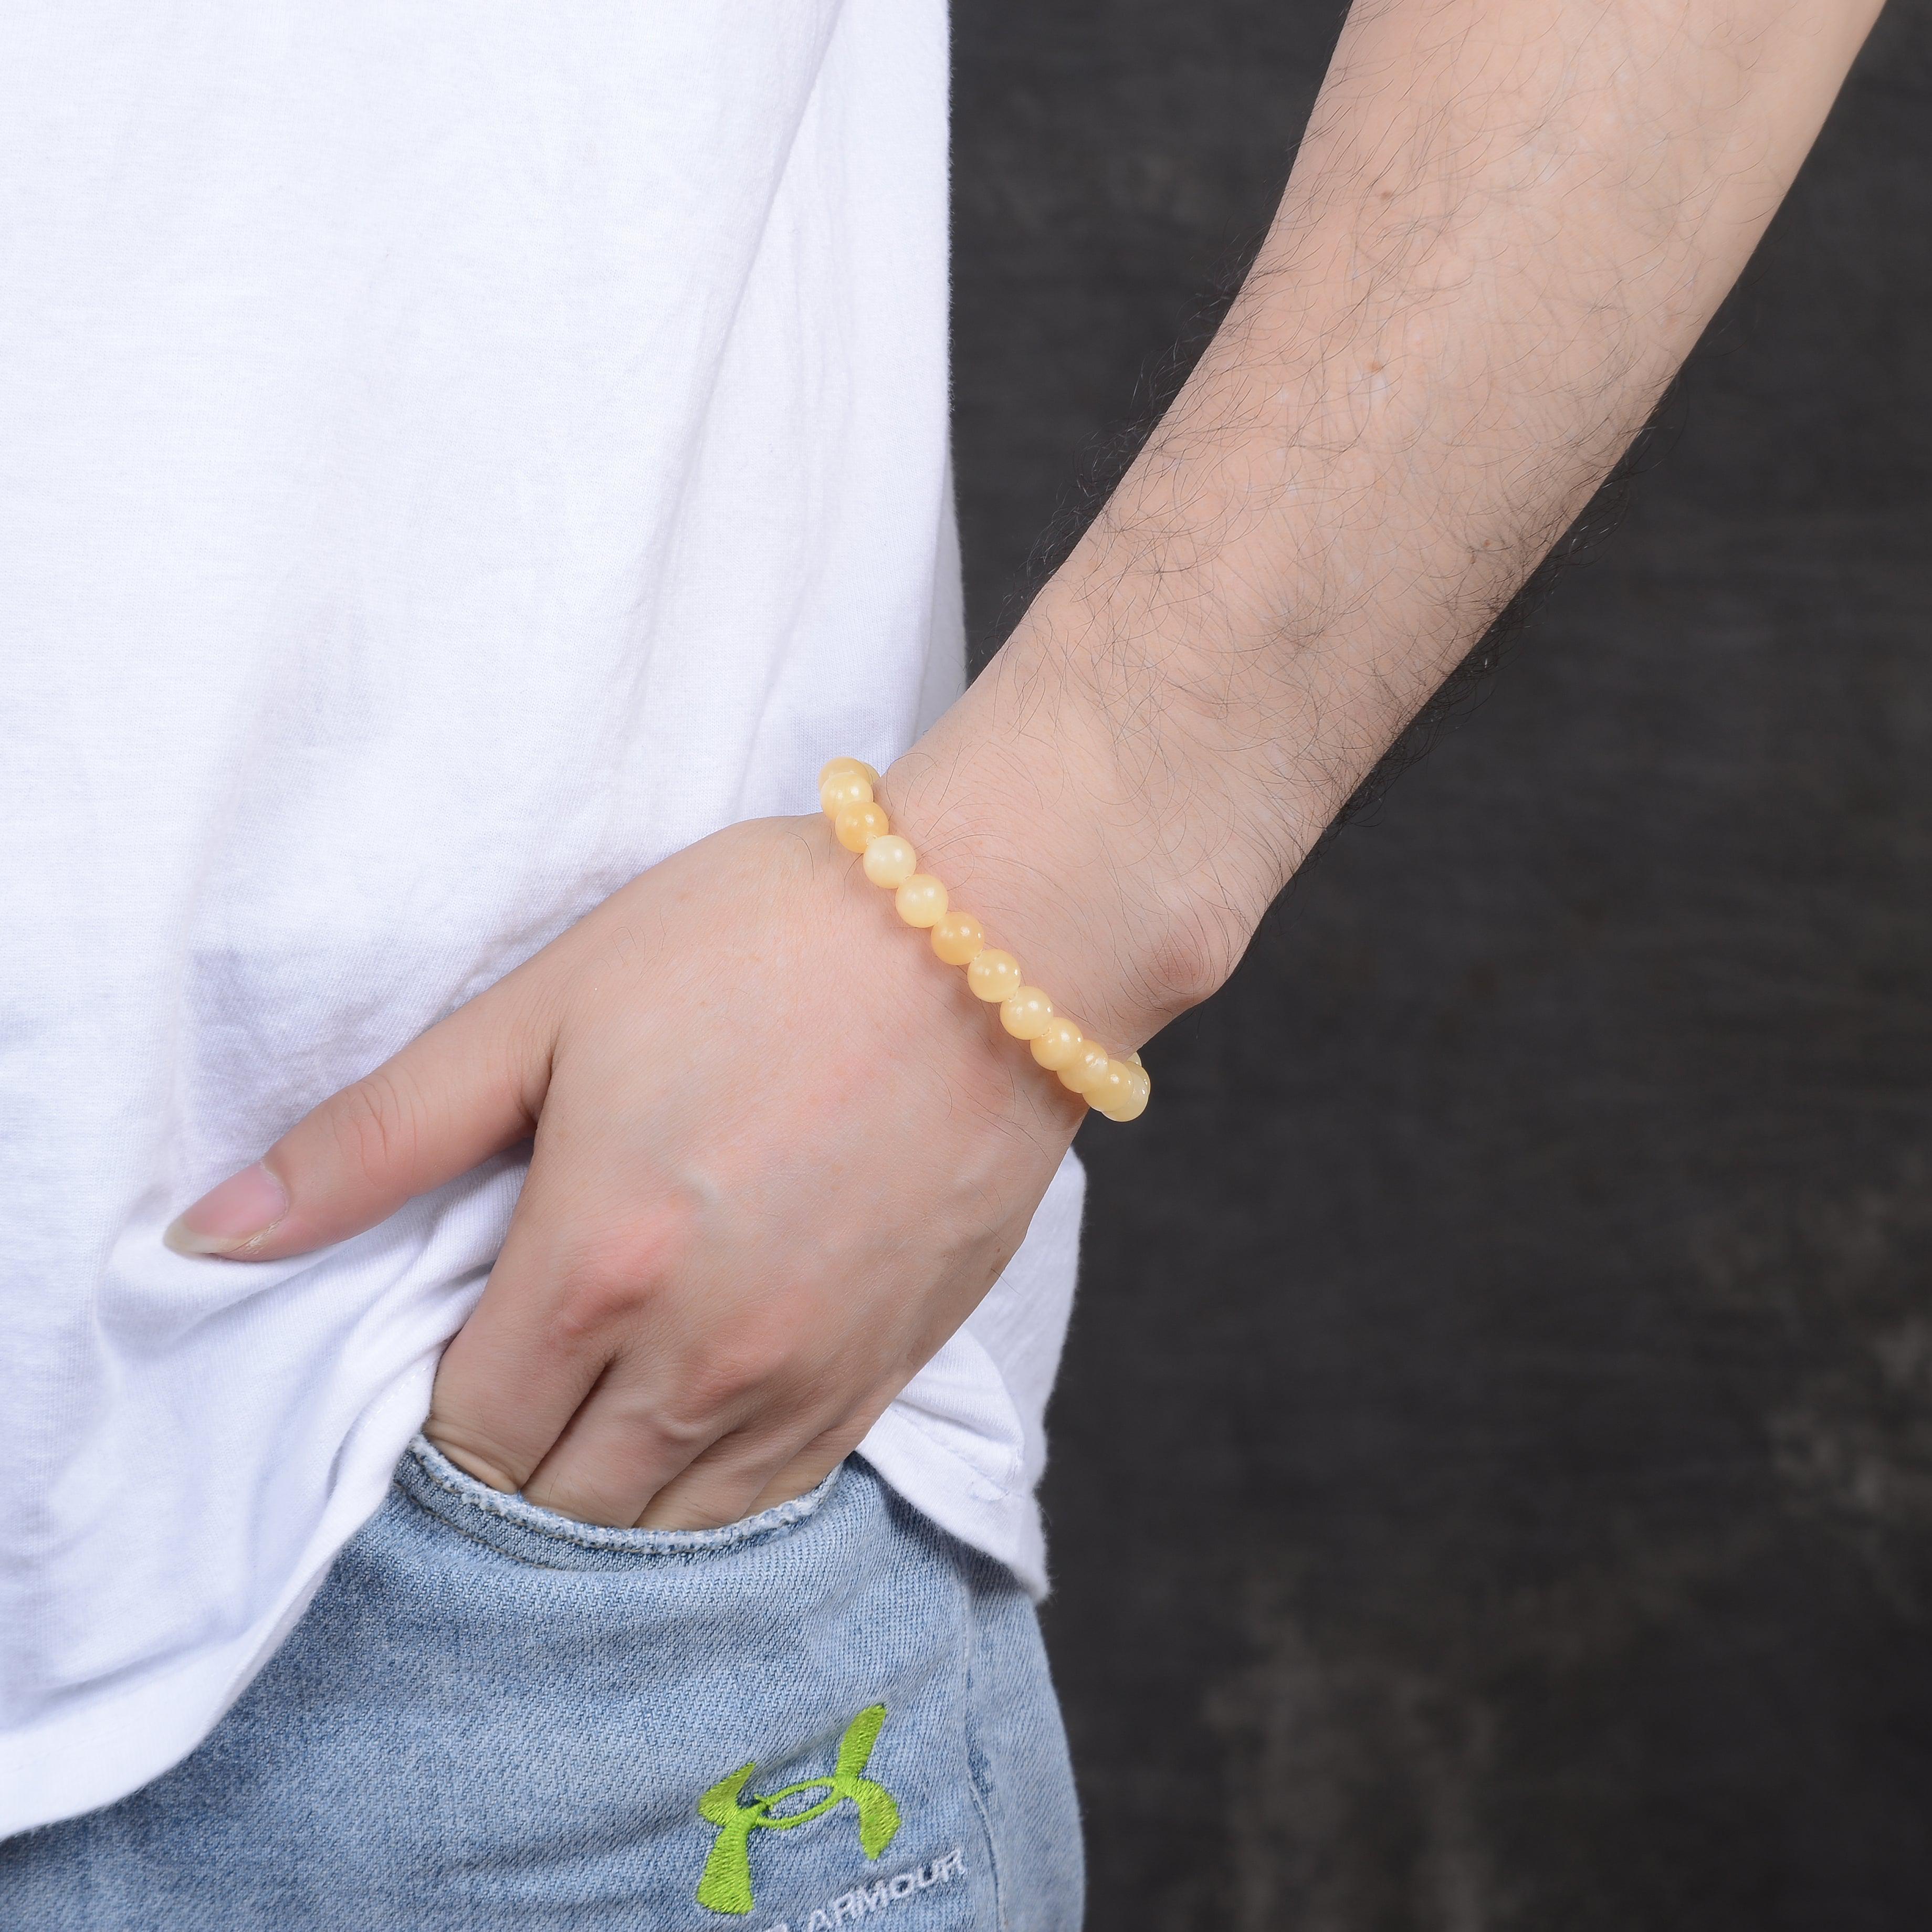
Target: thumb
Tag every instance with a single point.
(471, 1086)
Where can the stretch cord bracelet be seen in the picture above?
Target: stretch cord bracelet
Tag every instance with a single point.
(1118, 1088)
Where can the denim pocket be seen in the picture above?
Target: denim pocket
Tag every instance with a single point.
(533, 1534)
(493, 1718)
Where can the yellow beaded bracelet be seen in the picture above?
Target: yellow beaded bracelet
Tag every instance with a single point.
(1118, 1088)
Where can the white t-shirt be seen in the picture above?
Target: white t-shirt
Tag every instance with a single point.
(450, 458)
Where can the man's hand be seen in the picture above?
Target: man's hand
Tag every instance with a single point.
(781, 1154)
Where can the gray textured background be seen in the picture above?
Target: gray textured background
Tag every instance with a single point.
(1494, 1477)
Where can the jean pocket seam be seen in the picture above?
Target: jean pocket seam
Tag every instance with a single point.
(469, 1535)
(528, 1522)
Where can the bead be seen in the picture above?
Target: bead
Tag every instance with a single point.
(890, 861)
(921, 900)
(1089, 1063)
(844, 788)
(1118, 1088)
(836, 767)
(994, 974)
(1057, 1042)
(1024, 1013)
(958, 939)
(1121, 1092)
(858, 825)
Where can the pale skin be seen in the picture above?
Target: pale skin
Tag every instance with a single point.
(780, 1152)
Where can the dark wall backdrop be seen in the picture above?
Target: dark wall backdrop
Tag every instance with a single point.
(1494, 1464)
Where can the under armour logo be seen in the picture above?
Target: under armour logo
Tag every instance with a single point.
(726, 1884)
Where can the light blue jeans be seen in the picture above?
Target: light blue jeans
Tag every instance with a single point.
(492, 1716)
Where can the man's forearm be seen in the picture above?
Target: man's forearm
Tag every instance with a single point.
(1507, 225)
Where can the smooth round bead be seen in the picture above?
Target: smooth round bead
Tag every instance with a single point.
(921, 900)
(1118, 1092)
(958, 939)
(1024, 1013)
(994, 975)
(841, 789)
(1056, 1043)
(837, 767)
(858, 825)
(1089, 1063)
(890, 861)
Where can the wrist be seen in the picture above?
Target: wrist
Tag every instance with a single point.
(1127, 893)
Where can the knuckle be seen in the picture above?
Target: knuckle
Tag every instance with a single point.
(378, 1125)
(674, 1434)
(609, 1278)
(594, 1298)
(720, 1379)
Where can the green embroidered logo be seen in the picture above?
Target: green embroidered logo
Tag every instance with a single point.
(726, 1885)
